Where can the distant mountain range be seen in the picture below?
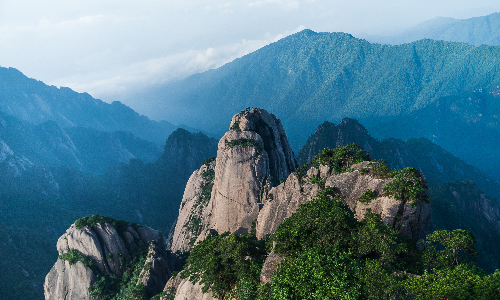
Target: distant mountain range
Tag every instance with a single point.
(474, 31)
(309, 77)
(34, 102)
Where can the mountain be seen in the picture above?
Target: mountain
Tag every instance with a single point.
(34, 102)
(456, 199)
(484, 30)
(437, 165)
(39, 200)
(309, 77)
(82, 148)
(229, 194)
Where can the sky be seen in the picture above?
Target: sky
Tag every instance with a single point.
(113, 48)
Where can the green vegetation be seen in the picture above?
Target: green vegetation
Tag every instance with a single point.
(339, 159)
(408, 186)
(319, 181)
(450, 212)
(209, 160)
(381, 170)
(125, 287)
(73, 256)
(227, 264)
(328, 254)
(90, 222)
(236, 126)
(368, 196)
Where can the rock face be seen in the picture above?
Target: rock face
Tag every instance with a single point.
(437, 165)
(461, 204)
(252, 158)
(108, 251)
(193, 210)
(284, 200)
(253, 151)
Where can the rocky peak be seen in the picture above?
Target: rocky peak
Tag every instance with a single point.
(93, 250)
(269, 128)
(251, 157)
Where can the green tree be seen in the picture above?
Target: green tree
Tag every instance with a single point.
(222, 262)
(458, 248)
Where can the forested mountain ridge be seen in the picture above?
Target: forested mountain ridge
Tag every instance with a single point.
(310, 77)
(34, 102)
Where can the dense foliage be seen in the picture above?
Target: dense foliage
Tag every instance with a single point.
(328, 254)
(74, 256)
(340, 159)
(226, 264)
(109, 286)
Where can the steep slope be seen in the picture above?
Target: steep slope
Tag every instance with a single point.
(84, 149)
(461, 204)
(437, 165)
(242, 193)
(474, 31)
(225, 195)
(310, 77)
(51, 198)
(101, 257)
(34, 102)
(27, 256)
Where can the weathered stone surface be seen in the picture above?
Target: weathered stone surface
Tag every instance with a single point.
(252, 157)
(191, 208)
(239, 174)
(270, 265)
(411, 222)
(86, 242)
(188, 291)
(66, 281)
(281, 202)
(281, 158)
(109, 253)
(114, 248)
(156, 270)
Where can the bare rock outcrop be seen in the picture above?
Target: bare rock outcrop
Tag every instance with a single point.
(252, 156)
(87, 253)
(284, 200)
(254, 151)
(193, 210)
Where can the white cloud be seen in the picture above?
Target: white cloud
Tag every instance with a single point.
(156, 71)
(285, 4)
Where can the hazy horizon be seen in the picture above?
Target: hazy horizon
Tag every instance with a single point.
(110, 48)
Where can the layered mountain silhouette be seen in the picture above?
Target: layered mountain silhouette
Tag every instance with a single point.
(474, 31)
(310, 77)
(32, 101)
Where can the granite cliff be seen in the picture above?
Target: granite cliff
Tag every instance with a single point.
(254, 178)
(100, 255)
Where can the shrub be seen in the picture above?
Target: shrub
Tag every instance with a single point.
(90, 222)
(73, 256)
(224, 261)
(408, 185)
(368, 196)
(236, 126)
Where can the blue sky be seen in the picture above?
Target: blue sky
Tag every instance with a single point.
(111, 48)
